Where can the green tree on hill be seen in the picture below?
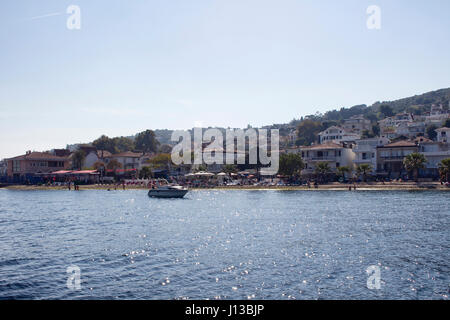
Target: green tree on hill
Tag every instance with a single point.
(123, 144)
(146, 141)
(161, 161)
(104, 143)
(386, 110)
(291, 164)
(431, 133)
(307, 132)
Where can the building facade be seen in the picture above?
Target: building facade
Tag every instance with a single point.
(357, 124)
(26, 166)
(390, 158)
(336, 155)
(366, 151)
(96, 156)
(434, 152)
(443, 134)
(336, 134)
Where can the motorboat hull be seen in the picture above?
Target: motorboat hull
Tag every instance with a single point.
(168, 193)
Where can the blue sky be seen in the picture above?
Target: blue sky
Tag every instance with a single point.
(141, 64)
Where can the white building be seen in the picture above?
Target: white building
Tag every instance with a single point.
(335, 154)
(410, 129)
(336, 134)
(95, 156)
(435, 152)
(357, 124)
(437, 115)
(388, 126)
(366, 151)
(130, 160)
(443, 134)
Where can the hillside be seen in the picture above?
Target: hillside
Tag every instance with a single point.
(417, 104)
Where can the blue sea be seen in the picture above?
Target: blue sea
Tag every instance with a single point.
(224, 244)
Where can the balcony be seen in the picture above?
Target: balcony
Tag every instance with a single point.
(369, 161)
(392, 157)
(333, 158)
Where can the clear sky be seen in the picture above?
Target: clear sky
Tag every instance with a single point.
(139, 64)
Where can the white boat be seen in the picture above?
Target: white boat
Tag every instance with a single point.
(165, 190)
(168, 192)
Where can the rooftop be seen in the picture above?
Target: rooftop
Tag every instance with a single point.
(39, 156)
(128, 154)
(402, 143)
(324, 146)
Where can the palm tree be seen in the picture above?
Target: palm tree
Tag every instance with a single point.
(414, 162)
(444, 169)
(322, 169)
(342, 171)
(363, 169)
(78, 159)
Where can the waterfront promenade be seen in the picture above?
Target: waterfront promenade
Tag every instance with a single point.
(330, 186)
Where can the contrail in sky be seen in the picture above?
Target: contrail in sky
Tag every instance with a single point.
(43, 16)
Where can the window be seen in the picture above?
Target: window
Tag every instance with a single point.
(338, 164)
(364, 156)
(16, 166)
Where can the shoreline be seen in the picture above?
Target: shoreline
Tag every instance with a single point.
(408, 186)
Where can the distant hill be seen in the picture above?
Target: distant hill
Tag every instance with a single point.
(417, 104)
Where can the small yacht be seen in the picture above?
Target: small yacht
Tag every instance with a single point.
(167, 191)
